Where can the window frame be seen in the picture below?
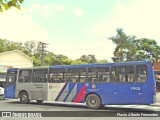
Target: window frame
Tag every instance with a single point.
(125, 73)
(40, 75)
(57, 76)
(79, 75)
(14, 76)
(146, 73)
(99, 74)
(24, 81)
(135, 69)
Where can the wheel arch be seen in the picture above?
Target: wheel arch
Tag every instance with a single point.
(22, 92)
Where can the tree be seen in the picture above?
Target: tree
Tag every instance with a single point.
(88, 58)
(6, 45)
(83, 58)
(146, 49)
(6, 4)
(121, 40)
(31, 46)
(91, 59)
(30, 49)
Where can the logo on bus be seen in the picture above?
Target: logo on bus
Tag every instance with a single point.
(50, 87)
(93, 86)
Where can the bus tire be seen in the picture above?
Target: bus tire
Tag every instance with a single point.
(39, 101)
(93, 101)
(24, 97)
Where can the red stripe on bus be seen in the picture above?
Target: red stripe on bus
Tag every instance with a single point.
(81, 94)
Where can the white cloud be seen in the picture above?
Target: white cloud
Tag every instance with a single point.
(138, 18)
(78, 12)
(99, 48)
(141, 18)
(17, 26)
(46, 9)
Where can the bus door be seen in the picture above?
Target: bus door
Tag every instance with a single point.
(10, 84)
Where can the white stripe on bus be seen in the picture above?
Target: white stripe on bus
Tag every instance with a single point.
(72, 94)
(64, 94)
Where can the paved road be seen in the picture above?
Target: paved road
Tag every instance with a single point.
(15, 105)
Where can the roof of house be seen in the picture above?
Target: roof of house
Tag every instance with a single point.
(17, 52)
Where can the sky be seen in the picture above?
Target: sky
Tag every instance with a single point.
(81, 27)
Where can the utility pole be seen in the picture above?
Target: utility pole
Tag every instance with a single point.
(41, 48)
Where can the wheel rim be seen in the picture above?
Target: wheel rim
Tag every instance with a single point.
(24, 97)
(92, 102)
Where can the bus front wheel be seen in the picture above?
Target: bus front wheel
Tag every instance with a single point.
(93, 101)
(24, 97)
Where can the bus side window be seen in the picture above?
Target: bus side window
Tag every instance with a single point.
(105, 74)
(21, 79)
(141, 73)
(99, 74)
(24, 76)
(69, 80)
(123, 74)
(76, 75)
(92, 74)
(130, 74)
(115, 74)
(40, 75)
(57, 75)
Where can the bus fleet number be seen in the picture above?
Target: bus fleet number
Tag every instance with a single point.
(135, 88)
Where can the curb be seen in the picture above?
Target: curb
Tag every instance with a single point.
(156, 104)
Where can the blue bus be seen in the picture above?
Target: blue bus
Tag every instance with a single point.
(96, 85)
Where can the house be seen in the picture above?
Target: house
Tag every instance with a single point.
(157, 65)
(15, 59)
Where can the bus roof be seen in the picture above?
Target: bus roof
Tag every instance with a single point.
(100, 64)
(84, 65)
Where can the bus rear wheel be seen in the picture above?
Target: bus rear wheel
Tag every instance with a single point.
(93, 101)
(39, 101)
(24, 97)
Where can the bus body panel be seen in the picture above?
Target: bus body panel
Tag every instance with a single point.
(10, 91)
(53, 90)
(72, 92)
(10, 87)
(36, 91)
(128, 94)
(109, 92)
(116, 94)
